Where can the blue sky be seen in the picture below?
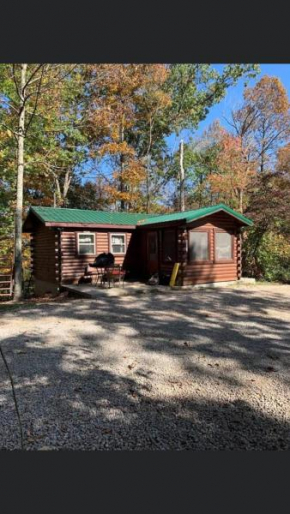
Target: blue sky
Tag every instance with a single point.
(233, 98)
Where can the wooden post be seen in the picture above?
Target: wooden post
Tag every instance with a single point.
(182, 252)
(239, 255)
(181, 184)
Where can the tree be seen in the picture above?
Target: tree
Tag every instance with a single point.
(111, 116)
(199, 162)
(133, 108)
(263, 121)
(234, 171)
(90, 195)
(25, 102)
(269, 207)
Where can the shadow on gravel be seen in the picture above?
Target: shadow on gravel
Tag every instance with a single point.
(88, 407)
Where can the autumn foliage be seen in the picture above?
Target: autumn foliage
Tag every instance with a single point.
(235, 171)
(99, 138)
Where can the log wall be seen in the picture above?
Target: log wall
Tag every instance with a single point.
(212, 271)
(73, 265)
(45, 254)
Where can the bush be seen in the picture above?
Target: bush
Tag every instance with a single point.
(267, 257)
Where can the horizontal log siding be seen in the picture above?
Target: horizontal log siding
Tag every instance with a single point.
(45, 254)
(73, 265)
(208, 272)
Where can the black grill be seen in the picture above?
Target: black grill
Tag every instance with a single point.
(104, 260)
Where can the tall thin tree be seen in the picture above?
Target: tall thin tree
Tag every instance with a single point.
(181, 182)
(19, 190)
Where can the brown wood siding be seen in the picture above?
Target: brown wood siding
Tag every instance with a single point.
(45, 254)
(213, 271)
(73, 265)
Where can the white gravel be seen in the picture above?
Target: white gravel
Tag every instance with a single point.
(207, 369)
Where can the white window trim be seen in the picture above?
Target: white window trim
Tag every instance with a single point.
(79, 244)
(125, 243)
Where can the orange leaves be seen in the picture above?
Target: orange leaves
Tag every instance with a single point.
(269, 95)
(283, 162)
(116, 148)
(125, 100)
(235, 170)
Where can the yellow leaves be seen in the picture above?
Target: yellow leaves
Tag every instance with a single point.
(116, 148)
(283, 163)
(235, 170)
(269, 94)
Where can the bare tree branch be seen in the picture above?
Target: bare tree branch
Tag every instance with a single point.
(36, 101)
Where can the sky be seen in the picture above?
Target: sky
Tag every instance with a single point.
(233, 98)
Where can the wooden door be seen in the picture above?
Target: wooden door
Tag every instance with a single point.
(152, 252)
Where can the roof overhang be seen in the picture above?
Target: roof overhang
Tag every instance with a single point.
(171, 223)
(242, 222)
(88, 225)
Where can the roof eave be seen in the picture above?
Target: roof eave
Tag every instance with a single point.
(87, 225)
(245, 221)
(167, 222)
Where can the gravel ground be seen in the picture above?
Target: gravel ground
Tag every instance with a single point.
(207, 369)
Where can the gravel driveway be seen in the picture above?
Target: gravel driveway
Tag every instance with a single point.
(207, 369)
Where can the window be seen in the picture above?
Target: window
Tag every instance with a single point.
(86, 244)
(223, 246)
(168, 246)
(118, 243)
(198, 246)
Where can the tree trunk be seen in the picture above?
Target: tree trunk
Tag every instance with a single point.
(66, 185)
(122, 159)
(148, 166)
(181, 187)
(19, 194)
(241, 207)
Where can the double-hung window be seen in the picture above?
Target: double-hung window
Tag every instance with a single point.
(118, 243)
(86, 244)
(198, 245)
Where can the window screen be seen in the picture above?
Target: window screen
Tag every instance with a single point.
(168, 245)
(118, 244)
(86, 244)
(198, 246)
(223, 246)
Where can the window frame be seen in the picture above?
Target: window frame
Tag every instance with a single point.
(78, 234)
(118, 234)
(230, 233)
(175, 245)
(200, 261)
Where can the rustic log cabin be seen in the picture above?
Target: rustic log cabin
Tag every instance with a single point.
(206, 242)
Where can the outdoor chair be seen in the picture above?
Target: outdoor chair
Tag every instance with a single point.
(114, 274)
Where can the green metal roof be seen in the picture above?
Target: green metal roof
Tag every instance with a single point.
(196, 214)
(58, 215)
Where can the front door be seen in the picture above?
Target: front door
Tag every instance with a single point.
(152, 252)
